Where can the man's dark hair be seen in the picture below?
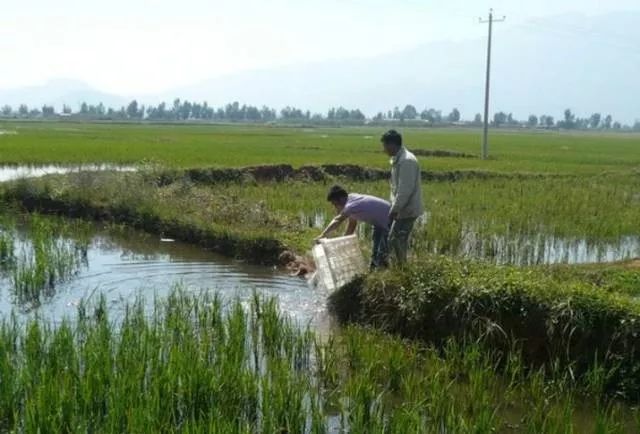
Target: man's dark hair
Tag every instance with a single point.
(336, 193)
(392, 137)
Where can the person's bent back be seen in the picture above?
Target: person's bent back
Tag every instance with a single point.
(362, 208)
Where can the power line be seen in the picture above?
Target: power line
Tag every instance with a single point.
(485, 137)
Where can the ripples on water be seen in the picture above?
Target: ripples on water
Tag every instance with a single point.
(129, 264)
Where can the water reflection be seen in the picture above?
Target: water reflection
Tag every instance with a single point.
(124, 264)
(10, 173)
(513, 248)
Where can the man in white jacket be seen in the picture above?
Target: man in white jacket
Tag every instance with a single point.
(406, 194)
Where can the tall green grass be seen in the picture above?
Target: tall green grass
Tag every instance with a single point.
(515, 221)
(196, 364)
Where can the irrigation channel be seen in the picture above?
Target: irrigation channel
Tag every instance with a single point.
(12, 172)
(123, 264)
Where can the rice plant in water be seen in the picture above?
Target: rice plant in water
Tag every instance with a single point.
(46, 260)
(6, 249)
(194, 363)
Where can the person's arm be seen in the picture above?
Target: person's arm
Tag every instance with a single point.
(335, 223)
(407, 173)
(351, 227)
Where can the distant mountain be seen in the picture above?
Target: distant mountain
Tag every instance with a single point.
(58, 92)
(543, 66)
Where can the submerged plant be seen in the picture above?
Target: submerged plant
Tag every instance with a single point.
(46, 260)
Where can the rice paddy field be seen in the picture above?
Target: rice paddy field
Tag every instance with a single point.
(244, 145)
(518, 313)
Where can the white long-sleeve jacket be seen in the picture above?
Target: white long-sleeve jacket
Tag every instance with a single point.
(406, 185)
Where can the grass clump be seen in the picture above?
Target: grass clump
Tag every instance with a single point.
(570, 322)
(43, 260)
(622, 277)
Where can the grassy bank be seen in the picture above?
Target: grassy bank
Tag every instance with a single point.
(622, 277)
(567, 321)
(513, 220)
(244, 145)
(194, 365)
(229, 224)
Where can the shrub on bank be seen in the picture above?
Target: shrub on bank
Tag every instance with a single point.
(572, 323)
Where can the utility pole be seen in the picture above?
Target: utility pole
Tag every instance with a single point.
(485, 137)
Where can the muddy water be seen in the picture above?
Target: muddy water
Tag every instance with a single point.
(9, 173)
(123, 264)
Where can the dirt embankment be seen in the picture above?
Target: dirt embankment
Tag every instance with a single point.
(323, 173)
(253, 249)
(441, 153)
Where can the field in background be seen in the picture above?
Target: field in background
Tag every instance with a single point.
(242, 145)
(591, 215)
(554, 346)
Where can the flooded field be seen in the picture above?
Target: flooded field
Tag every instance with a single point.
(512, 249)
(541, 249)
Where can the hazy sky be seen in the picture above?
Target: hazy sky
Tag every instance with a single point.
(134, 47)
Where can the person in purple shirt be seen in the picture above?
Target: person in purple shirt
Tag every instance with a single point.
(362, 208)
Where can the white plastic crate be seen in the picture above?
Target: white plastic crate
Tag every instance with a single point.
(338, 261)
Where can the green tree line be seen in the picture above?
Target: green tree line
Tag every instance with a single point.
(184, 110)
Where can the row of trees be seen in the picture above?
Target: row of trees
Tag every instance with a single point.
(187, 110)
(409, 112)
(570, 120)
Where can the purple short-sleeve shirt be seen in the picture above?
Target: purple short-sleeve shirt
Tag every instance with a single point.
(368, 209)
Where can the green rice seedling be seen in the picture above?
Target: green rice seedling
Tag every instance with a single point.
(6, 249)
(45, 261)
(7, 242)
(188, 366)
